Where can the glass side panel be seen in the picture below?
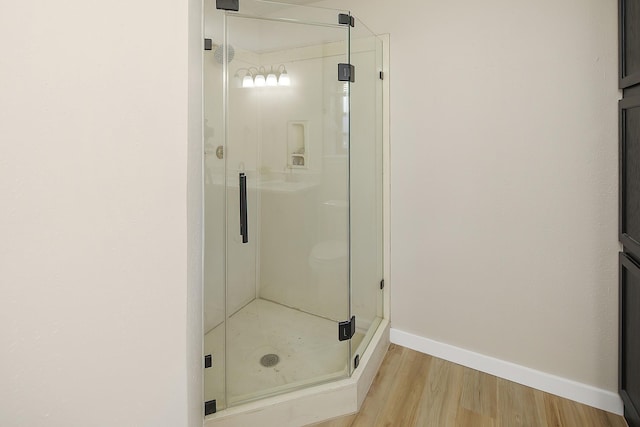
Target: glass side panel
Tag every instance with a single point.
(214, 210)
(366, 185)
(286, 129)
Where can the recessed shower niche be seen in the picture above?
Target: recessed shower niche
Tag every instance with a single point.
(297, 137)
(294, 210)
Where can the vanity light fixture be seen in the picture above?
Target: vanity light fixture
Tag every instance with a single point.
(258, 77)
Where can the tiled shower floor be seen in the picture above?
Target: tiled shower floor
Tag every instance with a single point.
(307, 346)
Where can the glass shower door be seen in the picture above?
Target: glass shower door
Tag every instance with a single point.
(287, 200)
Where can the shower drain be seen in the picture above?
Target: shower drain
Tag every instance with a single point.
(269, 360)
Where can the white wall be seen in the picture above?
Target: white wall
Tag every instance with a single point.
(98, 264)
(504, 178)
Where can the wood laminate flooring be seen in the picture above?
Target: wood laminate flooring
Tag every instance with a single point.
(415, 389)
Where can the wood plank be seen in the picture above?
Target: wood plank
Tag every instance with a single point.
(414, 389)
(441, 396)
(540, 408)
(598, 418)
(467, 418)
(345, 421)
(564, 413)
(517, 406)
(409, 383)
(615, 420)
(479, 393)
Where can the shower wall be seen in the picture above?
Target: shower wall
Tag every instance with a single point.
(314, 99)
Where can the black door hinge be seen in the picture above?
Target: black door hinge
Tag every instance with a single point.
(210, 407)
(208, 44)
(228, 5)
(347, 329)
(381, 75)
(208, 361)
(381, 284)
(346, 73)
(345, 19)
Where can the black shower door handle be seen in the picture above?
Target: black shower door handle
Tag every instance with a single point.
(243, 208)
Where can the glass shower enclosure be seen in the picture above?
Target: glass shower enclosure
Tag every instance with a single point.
(293, 198)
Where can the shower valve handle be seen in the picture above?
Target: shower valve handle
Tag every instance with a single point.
(243, 208)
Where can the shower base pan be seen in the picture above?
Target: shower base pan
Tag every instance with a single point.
(262, 320)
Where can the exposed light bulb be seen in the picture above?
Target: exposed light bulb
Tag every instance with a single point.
(272, 80)
(284, 79)
(247, 81)
(260, 81)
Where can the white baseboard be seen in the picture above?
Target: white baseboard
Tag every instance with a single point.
(579, 392)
